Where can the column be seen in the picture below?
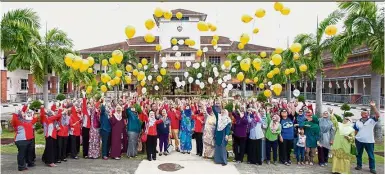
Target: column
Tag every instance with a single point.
(31, 85)
(4, 86)
(355, 86)
(69, 88)
(53, 81)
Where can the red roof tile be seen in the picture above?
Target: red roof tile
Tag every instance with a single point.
(186, 12)
(222, 40)
(348, 71)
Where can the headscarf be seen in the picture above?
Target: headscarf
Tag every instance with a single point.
(324, 122)
(345, 128)
(223, 120)
(274, 124)
(314, 125)
(151, 119)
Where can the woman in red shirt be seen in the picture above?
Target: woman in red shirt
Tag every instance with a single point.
(151, 131)
(198, 126)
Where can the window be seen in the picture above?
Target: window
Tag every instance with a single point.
(215, 60)
(23, 84)
(182, 19)
(5, 61)
(182, 54)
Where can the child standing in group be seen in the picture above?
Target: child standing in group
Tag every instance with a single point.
(300, 154)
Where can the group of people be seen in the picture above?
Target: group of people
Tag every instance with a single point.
(109, 128)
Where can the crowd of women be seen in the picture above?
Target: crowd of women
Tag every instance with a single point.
(130, 125)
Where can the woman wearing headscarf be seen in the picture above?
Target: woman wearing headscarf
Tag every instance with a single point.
(164, 132)
(186, 130)
(86, 125)
(342, 145)
(222, 132)
(312, 132)
(254, 152)
(75, 131)
(117, 129)
(151, 131)
(50, 132)
(133, 130)
(208, 134)
(240, 135)
(262, 114)
(326, 138)
(286, 137)
(105, 129)
(272, 132)
(94, 144)
(63, 135)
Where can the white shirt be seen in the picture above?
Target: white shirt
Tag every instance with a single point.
(365, 132)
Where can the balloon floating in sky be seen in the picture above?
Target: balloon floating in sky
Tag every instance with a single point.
(246, 18)
(130, 31)
(158, 12)
(278, 6)
(260, 13)
(285, 11)
(202, 26)
(179, 15)
(149, 24)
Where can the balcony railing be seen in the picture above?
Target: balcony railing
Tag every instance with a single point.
(343, 98)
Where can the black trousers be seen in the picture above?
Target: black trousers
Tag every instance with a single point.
(240, 147)
(75, 145)
(62, 147)
(254, 152)
(50, 150)
(323, 155)
(151, 147)
(199, 142)
(32, 151)
(285, 150)
(24, 154)
(86, 140)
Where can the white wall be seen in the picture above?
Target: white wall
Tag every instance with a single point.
(168, 30)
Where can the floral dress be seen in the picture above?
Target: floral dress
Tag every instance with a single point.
(208, 136)
(186, 130)
(94, 146)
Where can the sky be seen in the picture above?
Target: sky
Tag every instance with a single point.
(100, 23)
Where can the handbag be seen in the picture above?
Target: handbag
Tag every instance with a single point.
(143, 138)
(170, 148)
(353, 149)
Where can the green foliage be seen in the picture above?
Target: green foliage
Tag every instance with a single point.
(60, 97)
(137, 108)
(345, 107)
(35, 105)
(205, 96)
(301, 98)
(40, 131)
(348, 114)
(339, 118)
(229, 106)
(261, 97)
(38, 126)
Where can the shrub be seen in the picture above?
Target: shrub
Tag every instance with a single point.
(301, 98)
(137, 108)
(348, 114)
(261, 97)
(345, 107)
(35, 105)
(38, 125)
(40, 131)
(339, 118)
(229, 106)
(60, 97)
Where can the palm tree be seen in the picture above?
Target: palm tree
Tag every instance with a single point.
(316, 45)
(364, 25)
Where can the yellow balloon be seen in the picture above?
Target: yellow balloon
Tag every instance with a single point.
(245, 64)
(144, 61)
(90, 70)
(103, 77)
(199, 52)
(292, 70)
(117, 80)
(191, 43)
(202, 26)
(112, 61)
(303, 67)
(149, 38)
(104, 62)
(159, 78)
(158, 47)
(112, 82)
(91, 61)
(247, 81)
(143, 83)
(296, 47)
(84, 65)
(278, 6)
(246, 18)
(240, 76)
(128, 68)
(103, 88)
(270, 75)
(276, 71)
(262, 54)
(214, 42)
(296, 56)
(216, 37)
(174, 41)
(179, 15)
(68, 59)
(331, 30)
(167, 15)
(150, 24)
(130, 31)
(128, 79)
(135, 72)
(260, 13)
(213, 28)
(241, 46)
(255, 80)
(139, 65)
(187, 41)
(261, 86)
(141, 75)
(158, 12)
(245, 38)
(77, 63)
(278, 50)
(163, 71)
(177, 65)
(256, 30)
(285, 11)
(117, 55)
(257, 63)
(118, 73)
(267, 93)
(277, 59)
(227, 63)
(277, 89)
(287, 71)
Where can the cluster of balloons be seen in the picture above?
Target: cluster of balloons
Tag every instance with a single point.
(280, 7)
(259, 13)
(204, 27)
(77, 63)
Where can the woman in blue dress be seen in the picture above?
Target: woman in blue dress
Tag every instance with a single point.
(222, 132)
(186, 130)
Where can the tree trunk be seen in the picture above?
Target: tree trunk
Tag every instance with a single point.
(375, 95)
(304, 89)
(243, 89)
(45, 91)
(116, 92)
(288, 90)
(318, 98)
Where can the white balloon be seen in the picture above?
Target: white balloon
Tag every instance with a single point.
(233, 70)
(216, 74)
(224, 78)
(230, 86)
(188, 63)
(269, 83)
(239, 58)
(224, 85)
(296, 93)
(181, 42)
(202, 85)
(220, 81)
(228, 76)
(205, 49)
(271, 63)
(178, 84)
(156, 87)
(215, 47)
(196, 65)
(178, 54)
(218, 49)
(197, 81)
(176, 79)
(183, 83)
(203, 64)
(223, 67)
(144, 90)
(175, 47)
(164, 65)
(156, 67)
(145, 78)
(271, 87)
(226, 91)
(199, 75)
(190, 79)
(215, 69)
(145, 67)
(210, 80)
(149, 77)
(185, 74)
(163, 59)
